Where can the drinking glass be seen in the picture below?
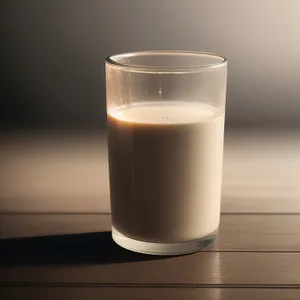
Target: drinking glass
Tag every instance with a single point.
(165, 113)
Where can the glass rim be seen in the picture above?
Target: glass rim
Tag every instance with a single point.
(112, 60)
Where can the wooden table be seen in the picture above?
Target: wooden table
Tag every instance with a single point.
(257, 256)
(70, 255)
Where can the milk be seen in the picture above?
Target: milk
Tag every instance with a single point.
(165, 161)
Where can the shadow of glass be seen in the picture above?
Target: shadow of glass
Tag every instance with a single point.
(87, 248)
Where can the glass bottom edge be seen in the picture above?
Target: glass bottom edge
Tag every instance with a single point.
(163, 248)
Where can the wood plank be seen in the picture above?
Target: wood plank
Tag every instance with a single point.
(272, 233)
(12, 293)
(259, 233)
(30, 225)
(262, 159)
(46, 172)
(109, 265)
(267, 199)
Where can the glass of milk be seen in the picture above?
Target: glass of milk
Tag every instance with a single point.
(165, 113)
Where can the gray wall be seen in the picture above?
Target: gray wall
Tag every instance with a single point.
(54, 74)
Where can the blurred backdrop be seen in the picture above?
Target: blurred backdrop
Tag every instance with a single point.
(54, 51)
(52, 58)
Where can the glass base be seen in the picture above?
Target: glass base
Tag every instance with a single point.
(161, 248)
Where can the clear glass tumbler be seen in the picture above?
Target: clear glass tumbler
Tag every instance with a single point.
(165, 114)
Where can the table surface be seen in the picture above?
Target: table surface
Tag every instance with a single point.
(70, 255)
(257, 255)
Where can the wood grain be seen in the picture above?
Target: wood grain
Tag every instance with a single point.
(248, 232)
(201, 268)
(12, 293)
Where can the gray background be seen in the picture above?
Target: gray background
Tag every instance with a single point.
(54, 54)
